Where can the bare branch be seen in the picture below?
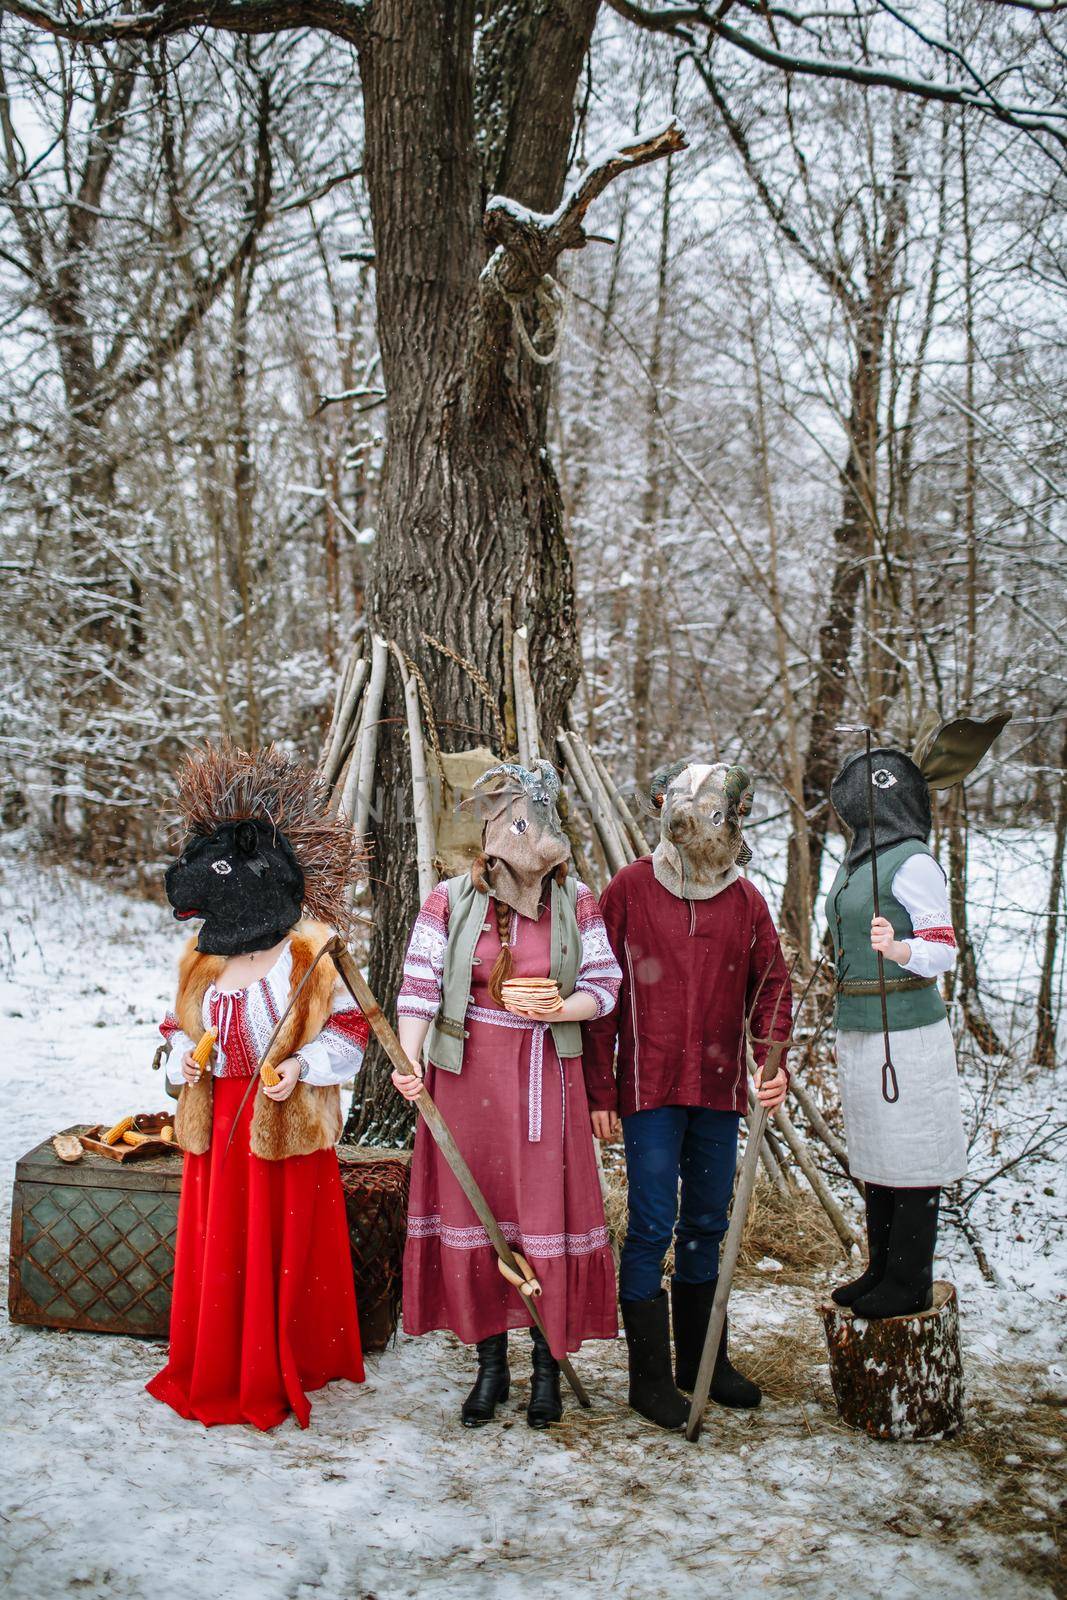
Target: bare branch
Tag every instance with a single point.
(345, 18)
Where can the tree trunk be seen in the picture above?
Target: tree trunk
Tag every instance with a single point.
(470, 509)
(1045, 1040)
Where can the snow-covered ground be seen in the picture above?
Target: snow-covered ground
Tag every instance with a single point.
(104, 1492)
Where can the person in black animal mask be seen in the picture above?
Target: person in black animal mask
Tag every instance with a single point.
(264, 1305)
(904, 1150)
(244, 881)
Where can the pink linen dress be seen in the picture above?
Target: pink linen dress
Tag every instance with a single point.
(521, 1118)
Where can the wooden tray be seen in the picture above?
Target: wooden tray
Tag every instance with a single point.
(150, 1123)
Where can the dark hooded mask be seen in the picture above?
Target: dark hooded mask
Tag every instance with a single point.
(944, 755)
(244, 881)
(901, 802)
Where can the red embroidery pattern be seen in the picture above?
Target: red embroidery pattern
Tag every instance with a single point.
(938, 936)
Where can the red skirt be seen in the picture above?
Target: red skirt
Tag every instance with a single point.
(264, 1306)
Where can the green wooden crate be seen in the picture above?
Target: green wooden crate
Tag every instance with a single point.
(92, 1242)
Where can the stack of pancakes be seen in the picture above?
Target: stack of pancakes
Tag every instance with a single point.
(533, 994)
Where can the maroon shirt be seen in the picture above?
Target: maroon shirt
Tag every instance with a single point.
(692, 970)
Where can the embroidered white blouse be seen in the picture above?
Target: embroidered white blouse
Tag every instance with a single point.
(246, 1018)
(922, 890)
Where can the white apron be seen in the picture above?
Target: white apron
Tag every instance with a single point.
(917, 1142)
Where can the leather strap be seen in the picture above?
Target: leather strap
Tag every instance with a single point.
(860, 986)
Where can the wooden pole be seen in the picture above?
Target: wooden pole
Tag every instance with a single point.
(607, 820)
(815, 1178)
(636, 839)
(420, 783)
(511, 736)
(822, 1130)
(578, 779)
(361, 992)
(343, 735)
(728, 1262)
(525, 700)
(368, 744)
(767, 1157)
(613, 851)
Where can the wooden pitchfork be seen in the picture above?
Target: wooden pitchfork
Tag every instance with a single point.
(742, 1200)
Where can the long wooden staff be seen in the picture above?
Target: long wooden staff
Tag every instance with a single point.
(889, 1076)
(732, 1245)
(514, 1268)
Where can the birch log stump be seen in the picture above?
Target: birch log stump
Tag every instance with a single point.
(899, 1377)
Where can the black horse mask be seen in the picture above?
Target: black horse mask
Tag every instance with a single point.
(244, 881)
(944, 755)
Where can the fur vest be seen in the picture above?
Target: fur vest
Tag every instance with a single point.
(311, 1117)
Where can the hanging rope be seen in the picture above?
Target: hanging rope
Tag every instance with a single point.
(551, 302)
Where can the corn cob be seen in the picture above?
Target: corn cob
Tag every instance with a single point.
(113, 1135)
(133, 1138)
(202, 1053)
(166, 1133)
(269, 1076)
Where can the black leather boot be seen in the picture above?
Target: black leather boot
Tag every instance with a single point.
(492, 1385)
(648, 1342)
(691, 1312)
(908, 1284)
(878, 1204)
(545, 1403)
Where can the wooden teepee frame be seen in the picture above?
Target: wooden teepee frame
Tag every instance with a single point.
(348, 762)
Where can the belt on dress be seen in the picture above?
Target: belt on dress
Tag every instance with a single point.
(858, 986)
(507, 1019)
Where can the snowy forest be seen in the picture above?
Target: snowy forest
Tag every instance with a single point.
(716, 354)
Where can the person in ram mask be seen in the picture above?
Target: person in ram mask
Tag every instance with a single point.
(700, 958)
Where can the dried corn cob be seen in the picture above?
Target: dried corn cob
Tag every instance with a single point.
(202, 1053)
(131, 1136)
(269, 1076)
(113, 1135)
(166, 1132)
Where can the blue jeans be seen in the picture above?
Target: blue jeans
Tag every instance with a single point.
(664, 1144)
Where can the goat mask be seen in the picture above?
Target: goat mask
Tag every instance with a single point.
(521, 833)
(701, 849)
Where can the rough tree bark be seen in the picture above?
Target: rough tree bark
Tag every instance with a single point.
(470, 508)
(1045, 1039)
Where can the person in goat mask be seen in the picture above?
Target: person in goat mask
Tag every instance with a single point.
(503, 1063)
(700, 956)
(264, 1306)
(904, 1149)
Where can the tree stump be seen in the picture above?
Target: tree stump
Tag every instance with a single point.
(899, 1377)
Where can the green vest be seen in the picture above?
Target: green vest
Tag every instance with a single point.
(468, 911)
(849, 909)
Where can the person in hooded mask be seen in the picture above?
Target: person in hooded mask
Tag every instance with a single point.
(264, 1305)
(503, 1063)
(701, 959)
(904, 1130)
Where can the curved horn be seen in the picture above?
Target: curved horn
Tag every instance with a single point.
(661, 780)
(549, 777)
(737, 787)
